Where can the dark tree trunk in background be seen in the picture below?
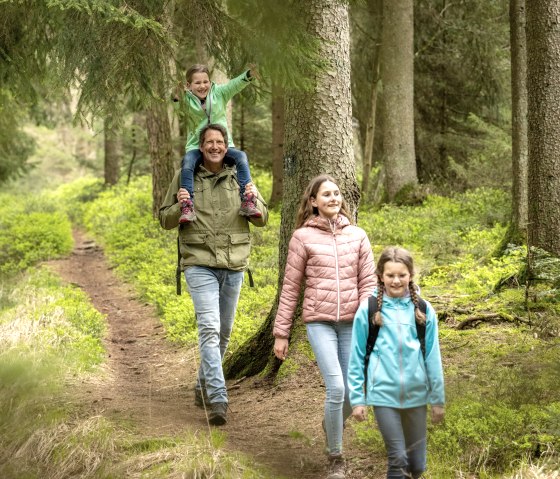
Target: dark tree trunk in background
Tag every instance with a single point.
(370, 130)
(369, 137)
(397, 74)
(318, 140)
(519, 144)
(111, 155)
(543, 87)
(278, 129)
(162, 154)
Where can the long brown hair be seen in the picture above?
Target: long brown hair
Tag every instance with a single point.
(307, 210)
(396, 255)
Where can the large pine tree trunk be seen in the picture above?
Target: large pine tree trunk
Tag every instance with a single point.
(397, 74)
(111, 155)
(318, 140)
(162, 154)
(376, 8)
(370, 129)
(518, 121)
(543, 71)
(278, 130)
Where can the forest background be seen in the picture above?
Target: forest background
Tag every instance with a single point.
(438, 117)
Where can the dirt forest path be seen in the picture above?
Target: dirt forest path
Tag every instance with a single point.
(150, 380)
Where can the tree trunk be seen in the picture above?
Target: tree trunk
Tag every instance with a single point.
(369, 140)
(370, 130)
(318, 140)
(162, 154)
(397, 75)
(111, 155)
(518, 121)
(543, 71)
(278, 129)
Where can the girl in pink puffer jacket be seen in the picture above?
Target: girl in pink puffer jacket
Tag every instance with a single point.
(335, 259)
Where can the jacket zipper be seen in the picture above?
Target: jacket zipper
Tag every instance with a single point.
(333, 229)
(401, 369)
(207, 109)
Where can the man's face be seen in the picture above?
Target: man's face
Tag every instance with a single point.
(214, 150)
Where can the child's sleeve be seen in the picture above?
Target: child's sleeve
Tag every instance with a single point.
(434, 366)
(356, 362)
(228, 90)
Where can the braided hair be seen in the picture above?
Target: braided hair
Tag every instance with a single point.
(396, 255)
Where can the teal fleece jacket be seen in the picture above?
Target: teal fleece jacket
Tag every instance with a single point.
(398, 374)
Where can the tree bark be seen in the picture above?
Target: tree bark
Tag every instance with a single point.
(519, 144)
(397, 75)
(543, 71)
(162, 154)
(369, 140)
(318, 140)
(278, 129)
(111, 155)
(370, 130)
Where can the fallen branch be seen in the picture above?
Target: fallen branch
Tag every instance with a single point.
(468, 322)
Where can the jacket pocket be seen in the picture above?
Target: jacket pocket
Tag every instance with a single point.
(240, 238)
(196, 238)
(239, 249)
(195, 245)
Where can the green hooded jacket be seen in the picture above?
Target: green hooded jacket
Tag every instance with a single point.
(216, 109)
(220, 237)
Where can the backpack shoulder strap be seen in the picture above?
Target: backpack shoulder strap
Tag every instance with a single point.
(178, 270)
(373, 331)
(421, 328)
(373, 328)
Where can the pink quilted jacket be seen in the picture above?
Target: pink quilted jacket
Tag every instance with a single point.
(337, 264)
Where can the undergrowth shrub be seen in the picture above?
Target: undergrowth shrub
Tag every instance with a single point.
(73, 198)
(31, 232)
(49, 332)
(50, 318)
(440, 227)
(489, 439)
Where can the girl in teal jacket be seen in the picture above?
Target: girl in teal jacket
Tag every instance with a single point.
(206, 103)
(401, 382)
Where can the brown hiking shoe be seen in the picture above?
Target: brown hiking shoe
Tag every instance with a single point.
(218, 414)
(187, 212)
(249, 207)
(337, 467)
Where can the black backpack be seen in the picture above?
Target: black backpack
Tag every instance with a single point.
(374, 331)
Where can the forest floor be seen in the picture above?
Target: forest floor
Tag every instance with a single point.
(148, 384)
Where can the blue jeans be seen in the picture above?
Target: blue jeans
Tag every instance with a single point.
(404, 434)
(331, 345)
(193, 159)
(214, 293)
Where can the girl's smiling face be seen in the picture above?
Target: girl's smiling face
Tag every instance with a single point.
(328, 200)
(395, 277)
(199, 85)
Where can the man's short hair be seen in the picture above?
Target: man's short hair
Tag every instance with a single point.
(212, 126)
